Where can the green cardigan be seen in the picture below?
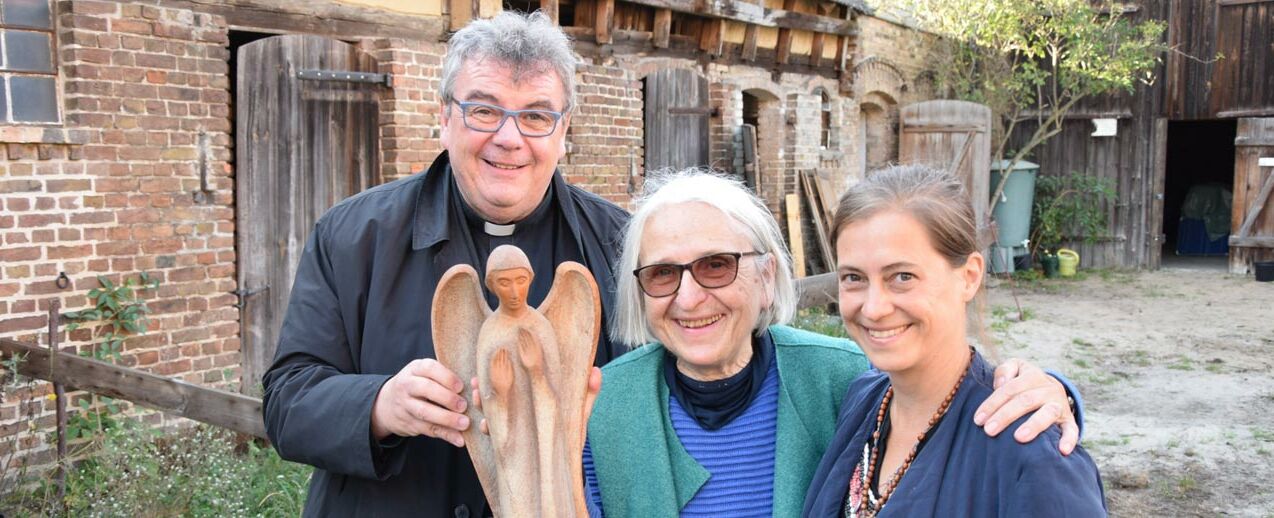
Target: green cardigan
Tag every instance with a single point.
(642, 468)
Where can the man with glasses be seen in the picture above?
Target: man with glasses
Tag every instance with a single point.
(354, 389)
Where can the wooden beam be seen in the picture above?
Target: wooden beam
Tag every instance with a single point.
(550, 9)
(816, 290)
(712, 36)
(462, 12)
(743, 11)
(749, 42)
(321, 17)
(216, 407)
(816, 49)
(1252, 242)
(1258, 204)
(796, 242)
(604, 20)
(663, 27)
(784, 48)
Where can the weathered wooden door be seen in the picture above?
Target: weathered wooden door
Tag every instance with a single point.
(1252, 217)
(955, 136)
(677, 113)
(306, 137)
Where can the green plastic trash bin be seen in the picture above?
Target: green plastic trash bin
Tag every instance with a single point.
(1013, 213)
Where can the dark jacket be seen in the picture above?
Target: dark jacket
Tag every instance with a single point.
(360, 311)
(960, 472)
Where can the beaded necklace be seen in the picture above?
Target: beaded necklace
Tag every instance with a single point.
(868, 503)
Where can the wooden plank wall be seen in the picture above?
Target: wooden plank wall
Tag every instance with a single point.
(1202, 86)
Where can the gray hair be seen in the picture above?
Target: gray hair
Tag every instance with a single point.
(725, 194)
(528, 43)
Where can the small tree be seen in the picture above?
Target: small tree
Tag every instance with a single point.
(1035, 59)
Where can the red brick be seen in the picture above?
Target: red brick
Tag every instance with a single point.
(91, 218)
(12, 186)
(67, 185)
(65, 252)
(18, 204)
(11, 325)
(40, 220)
(131, 26)
(117, 248)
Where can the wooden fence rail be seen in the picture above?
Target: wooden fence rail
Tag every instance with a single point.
(216, 407)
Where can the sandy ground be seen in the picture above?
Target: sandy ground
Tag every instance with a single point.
(1177, 371)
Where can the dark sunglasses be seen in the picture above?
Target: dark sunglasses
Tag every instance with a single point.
(710, 271)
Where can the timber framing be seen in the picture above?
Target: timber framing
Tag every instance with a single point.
(625, 42)
(321, 17)
(754, 14)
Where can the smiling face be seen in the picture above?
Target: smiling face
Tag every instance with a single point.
(708, 330)
(900, 299)
(504, 175)
(511, 286)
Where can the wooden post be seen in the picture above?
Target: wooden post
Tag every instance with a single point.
(604, 20)
(711, 40)
(784, 50)
(749, 42)
(462, 12)
(59, 392)
(550, 9)
(663, 27)
(794, 233)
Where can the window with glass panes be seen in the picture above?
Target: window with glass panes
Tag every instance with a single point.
(28, 63)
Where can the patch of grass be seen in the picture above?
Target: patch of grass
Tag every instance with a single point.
(819, 321)
(1262, 434)
(1080, 342)
(1081, 363)
(1186, 484)
(1182, 364)
(1138, 357)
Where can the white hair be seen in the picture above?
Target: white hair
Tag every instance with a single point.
(725, 194)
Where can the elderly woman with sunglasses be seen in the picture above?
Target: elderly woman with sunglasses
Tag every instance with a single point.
(728, 412)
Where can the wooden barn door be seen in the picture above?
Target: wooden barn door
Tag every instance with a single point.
(955, 136)
(306, 137)
(1252, 215)
(677, 114)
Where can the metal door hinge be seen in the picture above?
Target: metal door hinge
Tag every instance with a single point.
(243, 294)
(343, 75)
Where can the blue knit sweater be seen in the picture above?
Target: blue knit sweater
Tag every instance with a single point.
(739, 456)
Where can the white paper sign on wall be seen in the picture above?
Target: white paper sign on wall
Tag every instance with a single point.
(1105, 127)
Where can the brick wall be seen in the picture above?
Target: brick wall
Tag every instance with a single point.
(409, 127)
(110, 192)
(605, 150)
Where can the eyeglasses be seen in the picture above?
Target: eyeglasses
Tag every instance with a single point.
(710, 271)
(489, 118)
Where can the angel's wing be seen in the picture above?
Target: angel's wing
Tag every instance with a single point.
(574, 308)
(459, 309)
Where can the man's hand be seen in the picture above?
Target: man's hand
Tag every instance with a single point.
(594, 387)
(422, 399)
(1022, 388)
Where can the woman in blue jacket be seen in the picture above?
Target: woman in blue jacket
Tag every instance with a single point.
(905, 442)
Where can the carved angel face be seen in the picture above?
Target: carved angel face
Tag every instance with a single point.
(709, 330)
(511, 287)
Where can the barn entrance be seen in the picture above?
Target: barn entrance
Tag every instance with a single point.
(1198, 193)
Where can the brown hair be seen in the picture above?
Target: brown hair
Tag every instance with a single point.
(935, 198)
(938, 200)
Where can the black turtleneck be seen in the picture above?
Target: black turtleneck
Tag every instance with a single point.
(713, 404)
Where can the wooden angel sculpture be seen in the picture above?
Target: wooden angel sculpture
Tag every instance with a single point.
(532, 366)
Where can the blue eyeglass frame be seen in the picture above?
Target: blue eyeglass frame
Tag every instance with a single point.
(507, 114)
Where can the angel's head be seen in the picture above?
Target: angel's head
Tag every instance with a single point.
(509, 276)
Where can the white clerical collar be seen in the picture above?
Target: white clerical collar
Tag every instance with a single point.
(493, 229)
